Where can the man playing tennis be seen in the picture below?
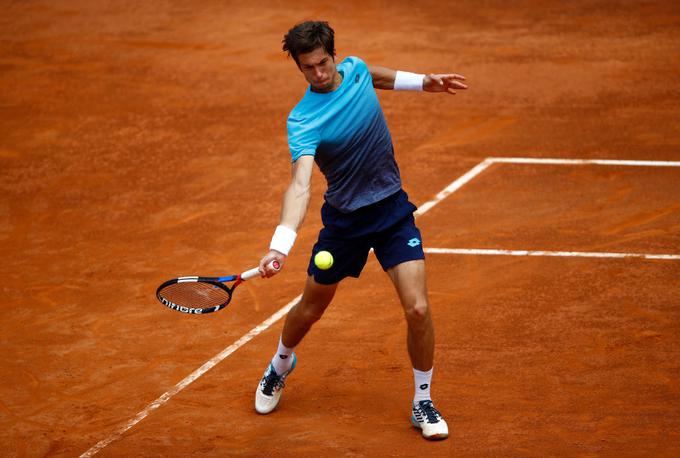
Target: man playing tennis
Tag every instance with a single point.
(339, 125)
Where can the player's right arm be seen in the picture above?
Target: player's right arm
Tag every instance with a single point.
(293, 209)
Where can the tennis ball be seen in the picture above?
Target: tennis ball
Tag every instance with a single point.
(323, 260)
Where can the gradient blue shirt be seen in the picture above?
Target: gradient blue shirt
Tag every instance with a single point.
(346, 132)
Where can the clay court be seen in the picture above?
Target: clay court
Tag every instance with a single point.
(141, 141)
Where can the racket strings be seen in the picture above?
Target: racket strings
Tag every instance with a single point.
(195, 294)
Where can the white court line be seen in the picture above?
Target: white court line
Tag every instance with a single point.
(165, 397)
(568, 254)
(450, 189)
(539, 160)
(453, 187)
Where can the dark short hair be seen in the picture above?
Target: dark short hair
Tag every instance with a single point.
(307, 36)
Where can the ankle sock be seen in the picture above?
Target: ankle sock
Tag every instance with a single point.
(422, 380)
(283, 359)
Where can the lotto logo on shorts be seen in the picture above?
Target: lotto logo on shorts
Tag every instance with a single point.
(414, 242)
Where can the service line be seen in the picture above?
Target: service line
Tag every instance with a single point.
(610, 162)
(566, 254)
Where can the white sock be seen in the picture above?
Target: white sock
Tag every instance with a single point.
(282, 360)
(422, 380)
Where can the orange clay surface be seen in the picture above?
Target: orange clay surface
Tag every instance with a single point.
(145, 140)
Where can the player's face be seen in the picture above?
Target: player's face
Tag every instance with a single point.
(319, 69)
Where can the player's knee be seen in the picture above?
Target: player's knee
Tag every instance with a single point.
(312, 312)
(417, 311)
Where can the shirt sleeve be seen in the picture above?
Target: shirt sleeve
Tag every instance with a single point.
(355, 65)
(302, 139)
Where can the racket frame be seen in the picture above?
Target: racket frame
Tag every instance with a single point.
(218, 282)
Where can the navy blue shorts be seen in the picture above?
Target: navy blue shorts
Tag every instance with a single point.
(386, 226)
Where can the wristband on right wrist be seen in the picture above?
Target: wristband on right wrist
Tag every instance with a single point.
(283, 239)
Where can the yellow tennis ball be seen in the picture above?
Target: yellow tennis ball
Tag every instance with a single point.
(323, 260)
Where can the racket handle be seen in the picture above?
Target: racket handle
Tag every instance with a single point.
(248, 274)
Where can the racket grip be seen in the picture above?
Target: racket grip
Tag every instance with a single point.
(252, 273)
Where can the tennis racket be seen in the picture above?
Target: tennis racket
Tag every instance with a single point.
(199, 295)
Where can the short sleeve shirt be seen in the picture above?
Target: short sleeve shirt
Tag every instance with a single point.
(346, 132)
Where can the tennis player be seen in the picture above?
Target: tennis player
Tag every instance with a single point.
(339, 124)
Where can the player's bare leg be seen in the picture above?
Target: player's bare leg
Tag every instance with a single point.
(299, 320)
(307, 311)
(410, 282)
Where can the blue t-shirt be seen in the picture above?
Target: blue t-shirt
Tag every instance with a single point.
(346, 132)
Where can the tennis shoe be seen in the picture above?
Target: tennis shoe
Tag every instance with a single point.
(269, 390)
(428, 419)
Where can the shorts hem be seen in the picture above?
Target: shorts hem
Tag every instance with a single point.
(328, 282)
(393, 263)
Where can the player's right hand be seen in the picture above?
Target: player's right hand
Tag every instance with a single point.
(265, 268)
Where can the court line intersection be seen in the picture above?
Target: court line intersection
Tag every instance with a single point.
(424, 208)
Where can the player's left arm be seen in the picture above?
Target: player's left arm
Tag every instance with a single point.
(386, 78)
(293, 211)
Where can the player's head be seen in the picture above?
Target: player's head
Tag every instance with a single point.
(305, 37)
(312, 45)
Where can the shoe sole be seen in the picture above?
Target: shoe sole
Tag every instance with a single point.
(434, 437)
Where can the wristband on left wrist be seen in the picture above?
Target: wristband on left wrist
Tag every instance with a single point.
(407, 81)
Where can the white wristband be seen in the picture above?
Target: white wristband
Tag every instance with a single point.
(283, 239)
(407, 81)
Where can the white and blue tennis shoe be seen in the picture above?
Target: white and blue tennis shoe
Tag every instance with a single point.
(427, 418)
(270, 388)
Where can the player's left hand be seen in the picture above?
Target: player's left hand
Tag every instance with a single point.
(448, 82)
